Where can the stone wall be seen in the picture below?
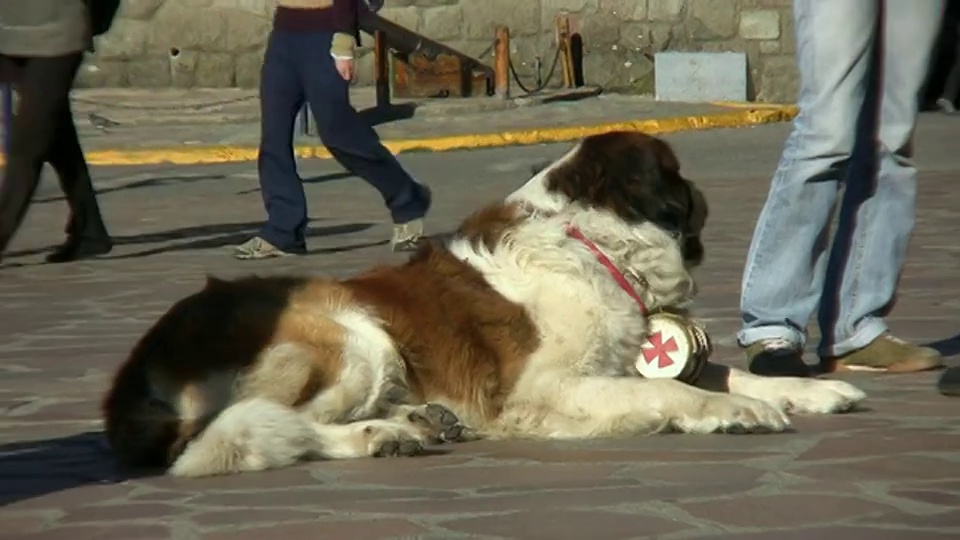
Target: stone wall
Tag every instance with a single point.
(219, 43)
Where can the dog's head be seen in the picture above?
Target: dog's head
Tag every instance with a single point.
(633, 175)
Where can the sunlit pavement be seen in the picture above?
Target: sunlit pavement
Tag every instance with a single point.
(889, 472)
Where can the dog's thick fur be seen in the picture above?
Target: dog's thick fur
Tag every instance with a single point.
(511, 328)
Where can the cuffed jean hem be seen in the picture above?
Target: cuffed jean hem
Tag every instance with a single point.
(749, 336)
(869, 330)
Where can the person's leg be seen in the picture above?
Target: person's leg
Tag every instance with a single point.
(281, 96)
(355, 144)
(949, 382)
(785, 265)
(43, 89)
(951, 88)
(86, 233)
(877, 217)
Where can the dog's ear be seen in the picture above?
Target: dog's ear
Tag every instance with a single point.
(631, 174)
(699, 209)
(653, 186)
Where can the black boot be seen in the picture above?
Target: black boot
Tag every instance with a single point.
(95, 242)
(80, 248)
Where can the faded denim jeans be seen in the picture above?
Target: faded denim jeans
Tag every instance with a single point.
(862, 64)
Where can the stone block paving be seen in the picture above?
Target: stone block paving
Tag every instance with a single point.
(891, 471)
(171, 118)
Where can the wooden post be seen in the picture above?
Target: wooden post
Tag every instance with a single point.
(563, 41)
(501, 67)
(381, 74)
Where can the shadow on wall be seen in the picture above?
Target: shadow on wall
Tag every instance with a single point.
(946, 54)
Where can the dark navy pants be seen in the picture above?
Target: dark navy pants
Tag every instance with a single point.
(298, 68)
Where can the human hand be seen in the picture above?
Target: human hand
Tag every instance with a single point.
(344, 68)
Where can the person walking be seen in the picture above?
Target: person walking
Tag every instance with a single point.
(42, 43)
(947, 102)
(861, 68)
(309, 58)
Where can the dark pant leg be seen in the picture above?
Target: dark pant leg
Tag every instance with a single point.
(43, 89)
(351, 140)
(951, 88)
(281, 97)
(66, 157)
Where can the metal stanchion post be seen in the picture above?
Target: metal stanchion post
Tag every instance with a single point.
(7, 97)
(305, 127)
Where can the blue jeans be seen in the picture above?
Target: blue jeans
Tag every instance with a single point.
(297, 67)
(862, 65)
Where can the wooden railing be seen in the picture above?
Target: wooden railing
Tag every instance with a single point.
(410, 65)
(421, 66)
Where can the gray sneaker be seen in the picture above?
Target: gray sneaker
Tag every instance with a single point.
(776, 358)
(407, 236)
(258, 248)
(946, 106)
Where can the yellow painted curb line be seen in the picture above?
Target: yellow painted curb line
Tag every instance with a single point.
(745, 115)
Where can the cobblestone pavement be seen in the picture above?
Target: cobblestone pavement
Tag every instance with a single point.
(889, 472)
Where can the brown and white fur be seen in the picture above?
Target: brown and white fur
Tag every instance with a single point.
(511, 328)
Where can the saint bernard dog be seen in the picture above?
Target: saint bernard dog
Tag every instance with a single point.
(525, 323)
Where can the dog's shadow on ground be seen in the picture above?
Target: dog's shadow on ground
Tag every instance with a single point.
(33, 469)
(37, 468)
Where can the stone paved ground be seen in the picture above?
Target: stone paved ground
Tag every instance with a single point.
(889, 472)
(204, 117)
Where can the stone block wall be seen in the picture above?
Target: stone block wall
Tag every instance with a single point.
(220, 43)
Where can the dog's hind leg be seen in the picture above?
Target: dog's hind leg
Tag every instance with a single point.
(587, 407)
(370, 438)
(434, 421)
(405, 432)
(251, 435)
(262, 428)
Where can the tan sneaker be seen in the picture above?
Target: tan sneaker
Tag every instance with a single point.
(258, 248)
(407, 236)
(887, 354)
(776, 358)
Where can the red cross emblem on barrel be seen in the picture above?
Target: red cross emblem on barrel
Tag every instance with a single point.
(675, 348)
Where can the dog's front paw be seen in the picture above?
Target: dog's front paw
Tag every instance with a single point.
(819, 396)
(723, 413)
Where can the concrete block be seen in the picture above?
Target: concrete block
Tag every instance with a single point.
(700, 76)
